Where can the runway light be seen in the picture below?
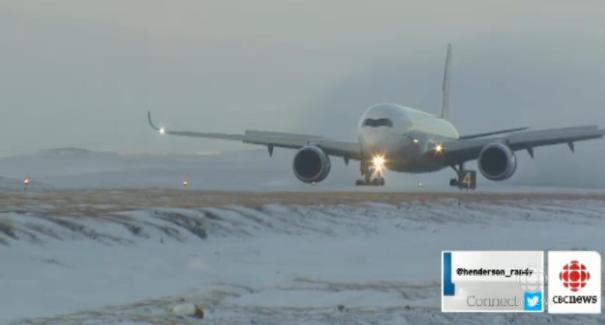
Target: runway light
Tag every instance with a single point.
(438, 148)
(186, 181)
(162, 131)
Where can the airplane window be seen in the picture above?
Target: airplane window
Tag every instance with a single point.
(378, 122)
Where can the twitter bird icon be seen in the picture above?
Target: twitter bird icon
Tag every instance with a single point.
(533, 301)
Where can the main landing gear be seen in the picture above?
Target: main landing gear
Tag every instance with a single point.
(371, 176)
(467, 179)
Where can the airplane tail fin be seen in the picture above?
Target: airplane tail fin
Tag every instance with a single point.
(446, 84)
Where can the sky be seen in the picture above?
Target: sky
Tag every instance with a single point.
(84, 74)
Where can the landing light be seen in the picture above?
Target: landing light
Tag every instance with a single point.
(162, 131)
(438, 148)
(378, 163)
(416, 141)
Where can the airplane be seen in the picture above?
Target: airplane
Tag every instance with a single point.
(405, 139)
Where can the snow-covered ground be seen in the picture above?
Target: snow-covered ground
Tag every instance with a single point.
(104, 238)
(266, 262)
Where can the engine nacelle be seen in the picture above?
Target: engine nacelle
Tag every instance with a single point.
(311, 164)
(497, 162)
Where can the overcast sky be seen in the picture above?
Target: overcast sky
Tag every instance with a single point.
(84, 73)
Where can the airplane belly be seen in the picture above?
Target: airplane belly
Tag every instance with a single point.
(415, 167)
(412, 162)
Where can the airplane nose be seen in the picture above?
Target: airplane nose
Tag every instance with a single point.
(374, 140)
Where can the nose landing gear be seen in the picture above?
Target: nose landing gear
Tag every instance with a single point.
(372, 182)
(370, 176)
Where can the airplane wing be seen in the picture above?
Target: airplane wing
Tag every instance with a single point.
(459, 151)
(485, 134)
(347, 150)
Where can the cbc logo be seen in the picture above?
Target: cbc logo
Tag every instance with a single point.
(574, 276)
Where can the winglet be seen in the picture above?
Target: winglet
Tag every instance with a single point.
(446, 84)
(153, 126)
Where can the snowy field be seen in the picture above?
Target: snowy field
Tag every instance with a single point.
(272, 258)
(106, 238)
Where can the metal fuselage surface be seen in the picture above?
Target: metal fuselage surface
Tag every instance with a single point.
(404, 136)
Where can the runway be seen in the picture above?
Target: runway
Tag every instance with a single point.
(145, 198)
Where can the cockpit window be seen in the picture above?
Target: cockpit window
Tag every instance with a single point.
(378, 122)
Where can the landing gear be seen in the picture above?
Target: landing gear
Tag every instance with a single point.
(370, 177)
(467, 179)
(373, 182)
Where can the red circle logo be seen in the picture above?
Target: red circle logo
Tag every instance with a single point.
(574, 276)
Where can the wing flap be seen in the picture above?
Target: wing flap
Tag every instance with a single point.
(485, 134)
(222, 136)
(348, 150)
(532, 139)
(280, 139)
(459, 151)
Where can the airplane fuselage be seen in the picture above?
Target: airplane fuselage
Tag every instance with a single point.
(406, 137)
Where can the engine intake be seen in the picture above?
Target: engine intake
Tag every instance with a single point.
(497, 162)
(311, 164)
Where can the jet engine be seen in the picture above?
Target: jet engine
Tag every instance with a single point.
(311, 164)
(497, 162)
